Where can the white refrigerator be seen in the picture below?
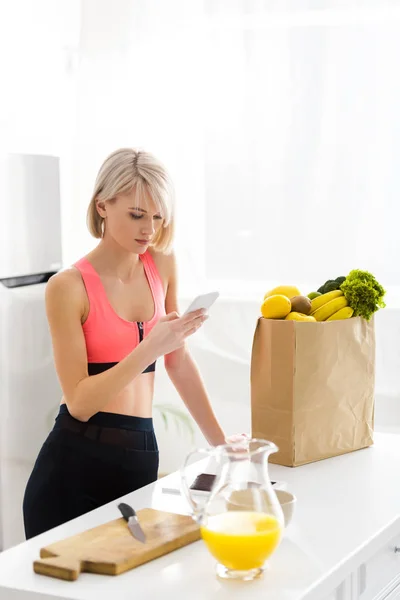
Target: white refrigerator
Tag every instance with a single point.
(30, 252)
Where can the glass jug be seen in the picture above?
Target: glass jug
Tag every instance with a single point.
(241, 520)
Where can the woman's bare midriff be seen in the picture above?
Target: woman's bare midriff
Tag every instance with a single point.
(136, 400)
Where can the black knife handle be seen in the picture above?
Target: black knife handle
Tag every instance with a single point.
(126, 511)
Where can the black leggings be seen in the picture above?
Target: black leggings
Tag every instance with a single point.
(82, 466)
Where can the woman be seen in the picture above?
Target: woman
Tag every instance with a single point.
(111, 316)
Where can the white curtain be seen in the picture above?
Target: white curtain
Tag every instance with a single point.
(278, 120)
(280, 125)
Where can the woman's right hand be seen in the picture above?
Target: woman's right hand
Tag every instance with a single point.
(171, 331)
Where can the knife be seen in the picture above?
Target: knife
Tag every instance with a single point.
(133, 524)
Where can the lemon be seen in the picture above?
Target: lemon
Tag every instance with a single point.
(276, 307)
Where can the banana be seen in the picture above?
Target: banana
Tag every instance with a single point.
(319, 301)
(327, 310)
(343, 313)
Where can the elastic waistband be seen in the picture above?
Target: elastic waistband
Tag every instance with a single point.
(114, 420)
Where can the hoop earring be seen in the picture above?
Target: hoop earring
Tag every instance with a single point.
(103, 227)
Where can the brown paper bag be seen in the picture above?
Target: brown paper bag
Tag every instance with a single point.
(312, 387)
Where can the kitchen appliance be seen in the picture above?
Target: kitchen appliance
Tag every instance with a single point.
(30, 252)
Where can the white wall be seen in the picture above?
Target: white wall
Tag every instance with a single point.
(38, 58)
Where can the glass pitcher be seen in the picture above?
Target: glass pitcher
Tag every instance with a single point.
(241, 520)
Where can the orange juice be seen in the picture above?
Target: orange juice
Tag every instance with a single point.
(242, 540)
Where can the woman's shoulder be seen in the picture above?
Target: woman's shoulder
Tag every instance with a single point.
(67, 281)
(165, 263)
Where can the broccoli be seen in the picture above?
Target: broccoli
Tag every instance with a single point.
(331, 284)
(363, 293)
(322, 289)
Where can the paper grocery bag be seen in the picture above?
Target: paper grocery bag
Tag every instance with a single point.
(312, 387)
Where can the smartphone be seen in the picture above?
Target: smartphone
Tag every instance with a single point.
(203, 301)
(205, 481)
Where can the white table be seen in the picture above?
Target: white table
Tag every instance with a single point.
(340, 545)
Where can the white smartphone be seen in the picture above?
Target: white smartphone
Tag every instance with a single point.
(203, 301)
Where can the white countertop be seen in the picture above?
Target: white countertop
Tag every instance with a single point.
(347, 508)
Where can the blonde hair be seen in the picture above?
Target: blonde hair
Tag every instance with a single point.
(127, 169)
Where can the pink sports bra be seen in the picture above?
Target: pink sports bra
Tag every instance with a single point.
(109, 338)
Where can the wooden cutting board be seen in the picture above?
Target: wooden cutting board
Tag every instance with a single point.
(110, 549)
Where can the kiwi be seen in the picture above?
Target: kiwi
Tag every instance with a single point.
(301, 304)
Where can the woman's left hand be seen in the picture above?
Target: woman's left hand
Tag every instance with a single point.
(239, 441)
(236, 437)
